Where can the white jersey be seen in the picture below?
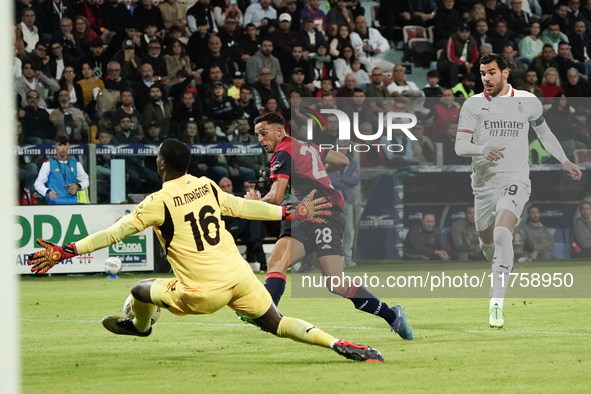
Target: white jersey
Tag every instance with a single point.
(500, 122)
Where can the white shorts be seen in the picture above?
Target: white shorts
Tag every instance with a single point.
(512, 197)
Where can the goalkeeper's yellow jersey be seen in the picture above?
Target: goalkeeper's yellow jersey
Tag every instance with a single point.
(186, 215)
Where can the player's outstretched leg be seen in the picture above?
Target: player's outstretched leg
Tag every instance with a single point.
(363, 299)
(277, 266)
(142, 308)
(501, 268)
(298, 330)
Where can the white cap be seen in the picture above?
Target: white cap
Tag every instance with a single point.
(284, 17)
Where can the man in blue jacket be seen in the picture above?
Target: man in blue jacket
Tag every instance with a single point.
(345, 181)
(61, 176)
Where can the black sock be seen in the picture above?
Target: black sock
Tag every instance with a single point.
(275, 284)
(366, 302)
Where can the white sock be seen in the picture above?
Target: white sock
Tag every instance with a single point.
(488, 250)
(502, 264)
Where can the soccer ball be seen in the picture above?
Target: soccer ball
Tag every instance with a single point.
(113, 266)
(129, 314)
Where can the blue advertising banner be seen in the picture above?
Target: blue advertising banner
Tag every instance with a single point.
(142, 150)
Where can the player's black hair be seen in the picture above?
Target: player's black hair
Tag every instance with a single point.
(175, 154)
(270, 118)
(495, 57)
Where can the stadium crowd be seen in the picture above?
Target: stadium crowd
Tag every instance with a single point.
(201, 71)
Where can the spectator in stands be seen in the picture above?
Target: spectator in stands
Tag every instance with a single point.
(539, 238)
(27, 170)
(553, 36)
(61, 176)
(220, 106)
(189, 110)
(340, 41)
(141, 89)
(531, 84)
(321, 64)
(400, 87)
(125, 133)
(586, 11)
(227, 9)
(580, 43)
(501, 36)
(147, 13)
(153, 137)
(494, 12)
(296, 83)
(190, 133)
(574, 86)
(465, 88)
(376, 88)
(561, 120)
(263, 59)
(517, 70)
(248, 104)
(444, 113)
(38, 57)
(345, 181)
(531, 45)
(176, 60)
(157, 110)
(465, 244)
(174, 13)
(446, 22)
(309, 37)
(423, 241)
(550, 85)
(230, 37)
(116, 16)
(88, 83)
(481, 33)
(198, 42)
(432, 88)
(54, 12)
(296, 60)
(518, 20)
(559, 17)
(260, 13)
(155, 58)
(29, 31)
(369, 43)
(342, 65)
(284, 41)
(96, 59)
(293, 8)
(581, 232)
(83, 34)
(266, 87)
(33, 79)
(340, 15)
(104, 125)
(312, 10)
(129, 62)
(58, 61)
(68, 120)
(251, 232)
(449, 141)
(348, 88)
(249, 41)
(476, 13)
(423, 148)
(460, 56)
(35, 120)
(127, 109)
(581, 127)
(67, 82)
(66, 39)
(360, 74)
(201, 10)
(132, 32)
(255, 163)
(211, 164)
(544, 61)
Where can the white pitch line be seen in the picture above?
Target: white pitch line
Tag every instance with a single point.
(336, 327)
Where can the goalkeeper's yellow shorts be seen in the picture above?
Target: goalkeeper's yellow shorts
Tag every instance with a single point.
(249, 297)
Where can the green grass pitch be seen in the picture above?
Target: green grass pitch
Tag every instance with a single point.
(544, 347)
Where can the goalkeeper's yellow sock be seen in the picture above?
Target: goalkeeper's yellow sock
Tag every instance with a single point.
(302, 331)
(143, 313)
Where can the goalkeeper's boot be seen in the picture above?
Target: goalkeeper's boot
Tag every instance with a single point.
(246, 319)
(356, 352)
(123, 326)
(400, 325)
(496, 317)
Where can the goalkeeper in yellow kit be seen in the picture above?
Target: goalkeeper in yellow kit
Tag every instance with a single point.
(209, 271)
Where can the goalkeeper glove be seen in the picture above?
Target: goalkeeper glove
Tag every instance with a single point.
(43, 260)
(308, 210)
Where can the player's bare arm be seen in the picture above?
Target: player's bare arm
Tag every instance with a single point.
(275, 196)
(335, 161)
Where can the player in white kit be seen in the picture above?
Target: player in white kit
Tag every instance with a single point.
(493, 129)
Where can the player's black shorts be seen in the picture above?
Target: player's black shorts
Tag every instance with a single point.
(326, 239)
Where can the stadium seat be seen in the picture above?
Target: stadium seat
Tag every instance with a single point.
(582, 156)
(410, 33)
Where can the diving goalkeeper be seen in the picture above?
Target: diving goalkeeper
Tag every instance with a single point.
(209, 271)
